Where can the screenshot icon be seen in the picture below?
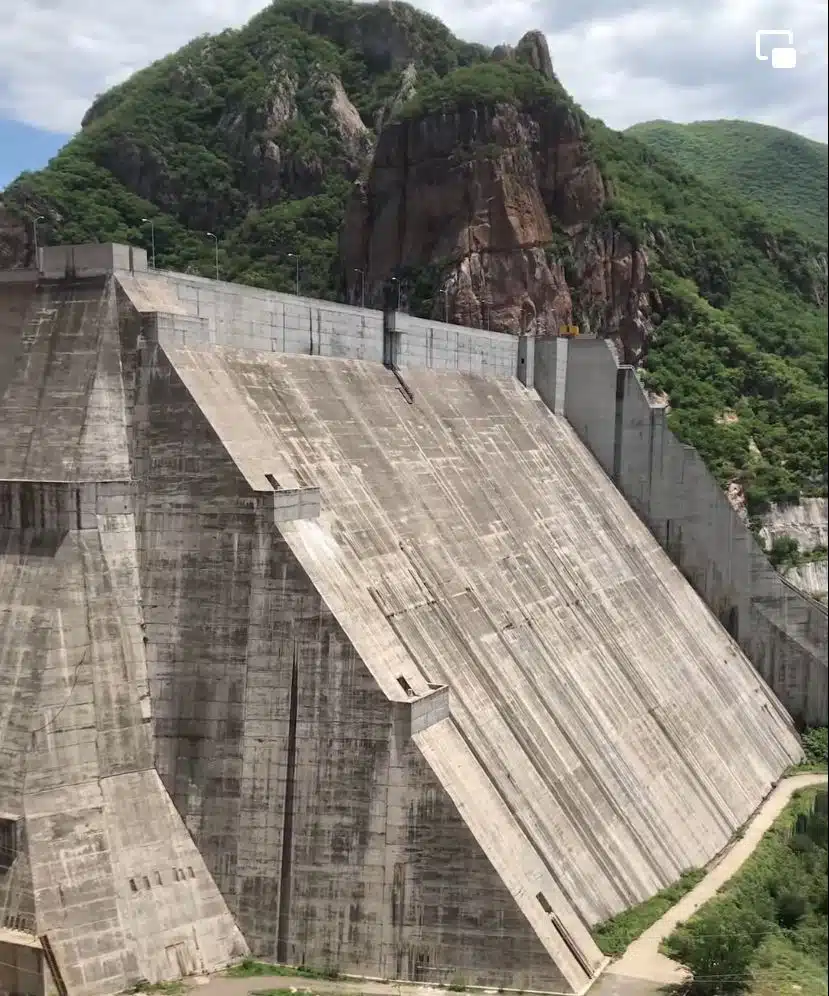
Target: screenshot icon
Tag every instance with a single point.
(783, 57)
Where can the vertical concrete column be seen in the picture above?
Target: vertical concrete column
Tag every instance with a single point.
(391, 339)
(590, 370)
(549, 371)
(562, 347)
(526, 360)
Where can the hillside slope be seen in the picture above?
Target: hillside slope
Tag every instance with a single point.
(348, 145)
(785, 173)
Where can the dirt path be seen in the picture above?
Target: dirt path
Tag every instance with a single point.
(219, 985)
(642, 959)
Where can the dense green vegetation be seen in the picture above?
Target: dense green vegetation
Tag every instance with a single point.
(740, 340)
(815, 754)
(614, 935)
(786, 173)
(486, 83)
(765, 933)
(234, 135)
(184, 143)
(785, 552)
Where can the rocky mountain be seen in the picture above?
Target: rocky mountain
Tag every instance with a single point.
(395, 160)
(785, 173)
(486, 211)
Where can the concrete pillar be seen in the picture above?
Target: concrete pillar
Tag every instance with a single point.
(550, 371)
(526, 360)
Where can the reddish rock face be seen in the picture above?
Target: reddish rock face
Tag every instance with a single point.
(613, 282)
(502, 202)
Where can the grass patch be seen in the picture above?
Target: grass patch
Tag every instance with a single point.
(766, 930)
(249, 969)
(614, 935)
(779, 968)
(815, 750)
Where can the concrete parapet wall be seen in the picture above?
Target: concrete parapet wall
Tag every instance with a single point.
(180, 330)
(266, 321)
(549, 375)
(589, 401)
(668, 485)
(198, 312)
(438, 346)
(58, 262)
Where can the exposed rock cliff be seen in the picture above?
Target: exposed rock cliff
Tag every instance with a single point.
(503, 206)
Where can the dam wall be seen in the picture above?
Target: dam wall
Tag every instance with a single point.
(783, 632)
(342, 666)
(468, 539)
(294, 764)
(97, 863)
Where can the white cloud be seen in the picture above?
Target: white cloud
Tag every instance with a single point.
(623, 60)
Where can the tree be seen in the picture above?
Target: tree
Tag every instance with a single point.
(718, 949)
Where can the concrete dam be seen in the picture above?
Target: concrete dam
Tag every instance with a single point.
(356, 641)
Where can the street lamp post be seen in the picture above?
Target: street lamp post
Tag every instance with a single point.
(37, 251)
(395, 280)
(215, 238)
(295, 258)
(362, 286)
(151, 223)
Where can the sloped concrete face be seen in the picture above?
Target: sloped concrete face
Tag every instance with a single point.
(593, 696)
(299, 771)
(469, 539)
(101, 866)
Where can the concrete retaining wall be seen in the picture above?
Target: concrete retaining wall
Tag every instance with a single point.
(197, 312)
(668, 485)
(266, 321)
(438, 346)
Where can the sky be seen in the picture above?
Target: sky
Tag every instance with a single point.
(623, 60)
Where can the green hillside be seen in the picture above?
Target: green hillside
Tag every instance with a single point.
(235, 135)
(786, 173)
